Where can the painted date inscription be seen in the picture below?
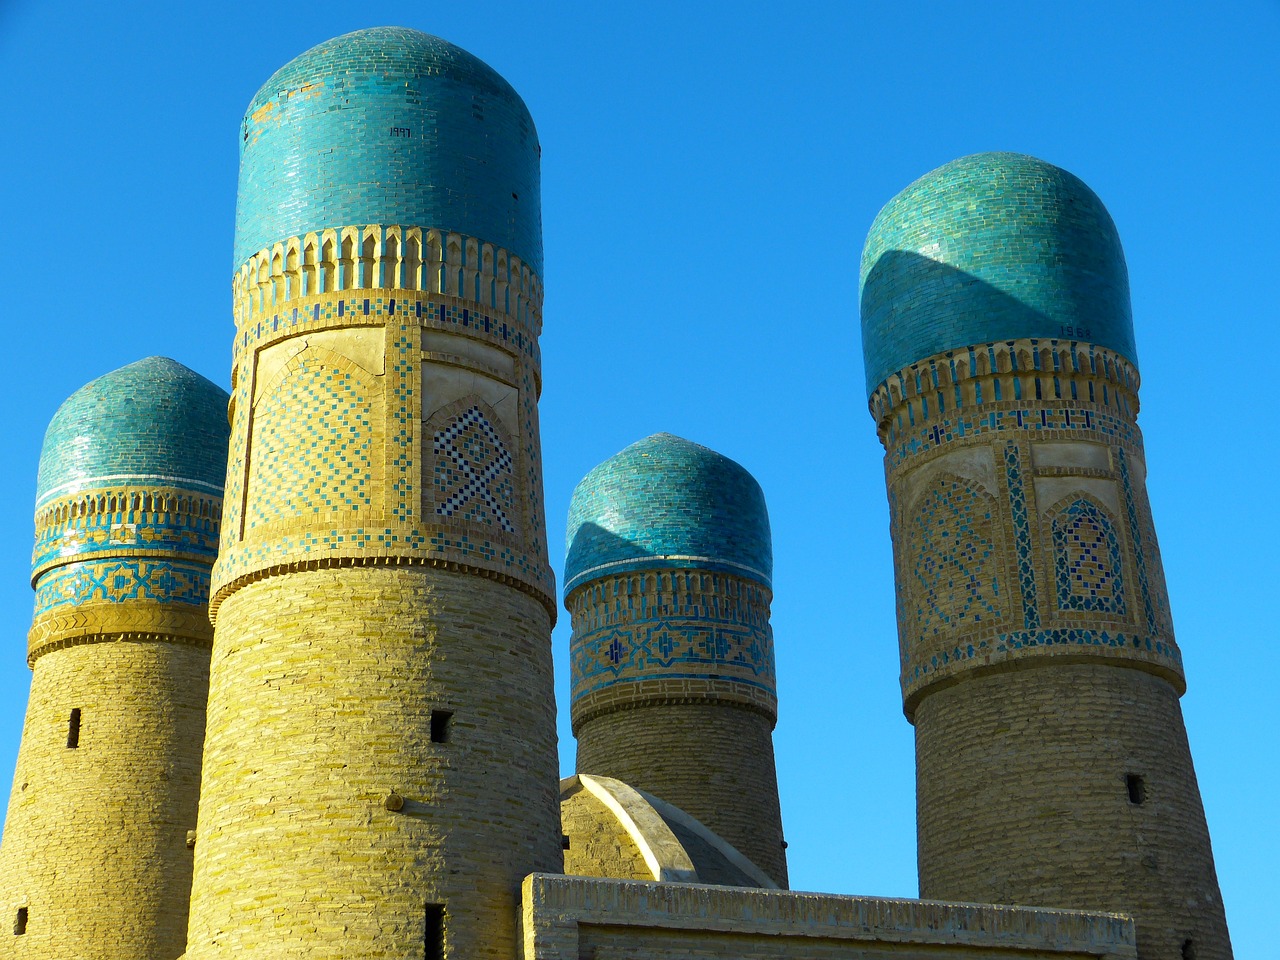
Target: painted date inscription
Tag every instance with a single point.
(402, 131)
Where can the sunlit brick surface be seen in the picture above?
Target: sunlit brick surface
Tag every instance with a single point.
(1038, 657)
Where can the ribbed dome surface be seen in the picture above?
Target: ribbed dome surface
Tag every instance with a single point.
(666, 502)
(151, 419)
(389, 126)
(995, 246)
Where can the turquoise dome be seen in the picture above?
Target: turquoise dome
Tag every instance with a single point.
(996, 246)
(666, 503)
(389, 126)
(154, 420)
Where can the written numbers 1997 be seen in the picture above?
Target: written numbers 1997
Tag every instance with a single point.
(1075, 333)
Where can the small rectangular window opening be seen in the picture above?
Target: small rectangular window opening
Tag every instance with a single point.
(1137, 788)
(73, 729)
(433, 946)
(564, 841)
(1188, 950)
(20, 924)
(440, 722)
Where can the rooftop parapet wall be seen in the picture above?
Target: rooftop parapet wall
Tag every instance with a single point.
(566, 918)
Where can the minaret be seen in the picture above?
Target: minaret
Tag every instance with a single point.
(1038, 659)
(668, 582)
(380, 762)
(94, 863)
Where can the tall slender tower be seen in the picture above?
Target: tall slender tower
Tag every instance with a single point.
(94, 864)
(380, 762)
(668, 583)
(1038, 660)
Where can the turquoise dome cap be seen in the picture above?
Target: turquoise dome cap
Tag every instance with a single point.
(153, 421)
(995, 246)
(389, 126)
(665, 502)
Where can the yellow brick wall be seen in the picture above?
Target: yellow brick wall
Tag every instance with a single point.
(599, 845)
(1038, 657)
(95, 840)
(1022, 798)
(321, 694)
(572, 918)
(712, 760)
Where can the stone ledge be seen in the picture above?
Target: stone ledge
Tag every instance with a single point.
(560, 914)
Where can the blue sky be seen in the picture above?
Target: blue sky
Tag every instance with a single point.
(709, 174)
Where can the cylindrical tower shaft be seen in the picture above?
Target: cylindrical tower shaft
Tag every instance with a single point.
(667, 584)
(380, 763)
(1038, 659)
(94, 862)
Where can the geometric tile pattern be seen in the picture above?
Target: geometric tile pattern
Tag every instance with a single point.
(473, 471)
(1086, 560)
(402, 521)
(1133, 644)
(955, 562)
(1135, 538)
(670, 625)
(119, 581)
(672, 649)
(1032, 420)
(103, 521)
(313, 448)
(1022, 536)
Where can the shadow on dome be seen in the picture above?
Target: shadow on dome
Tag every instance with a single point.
(593, 547)
(914, 307)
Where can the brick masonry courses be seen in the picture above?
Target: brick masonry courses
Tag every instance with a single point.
(94, 864)
(1058, 824)
(380, 763)
(673, 690)
(321, 701)
(95, 840)
(569, 918)
(381, 753)
(712, 760)
(1038, 657)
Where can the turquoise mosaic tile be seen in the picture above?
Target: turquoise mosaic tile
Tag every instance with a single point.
(666, 634)
(1135, 535)
(665, 502)
(996, 246)
(153, 421)
(1064, 421)
(140, 522)
(1022, 535)
(1086, 560)
(122, 581)
(389, 126)
(955, 561)
(1064, 641)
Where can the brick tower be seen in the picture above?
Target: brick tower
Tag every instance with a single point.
(94, 864)
(668, 583)
(1038, 660)
(380, 760)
